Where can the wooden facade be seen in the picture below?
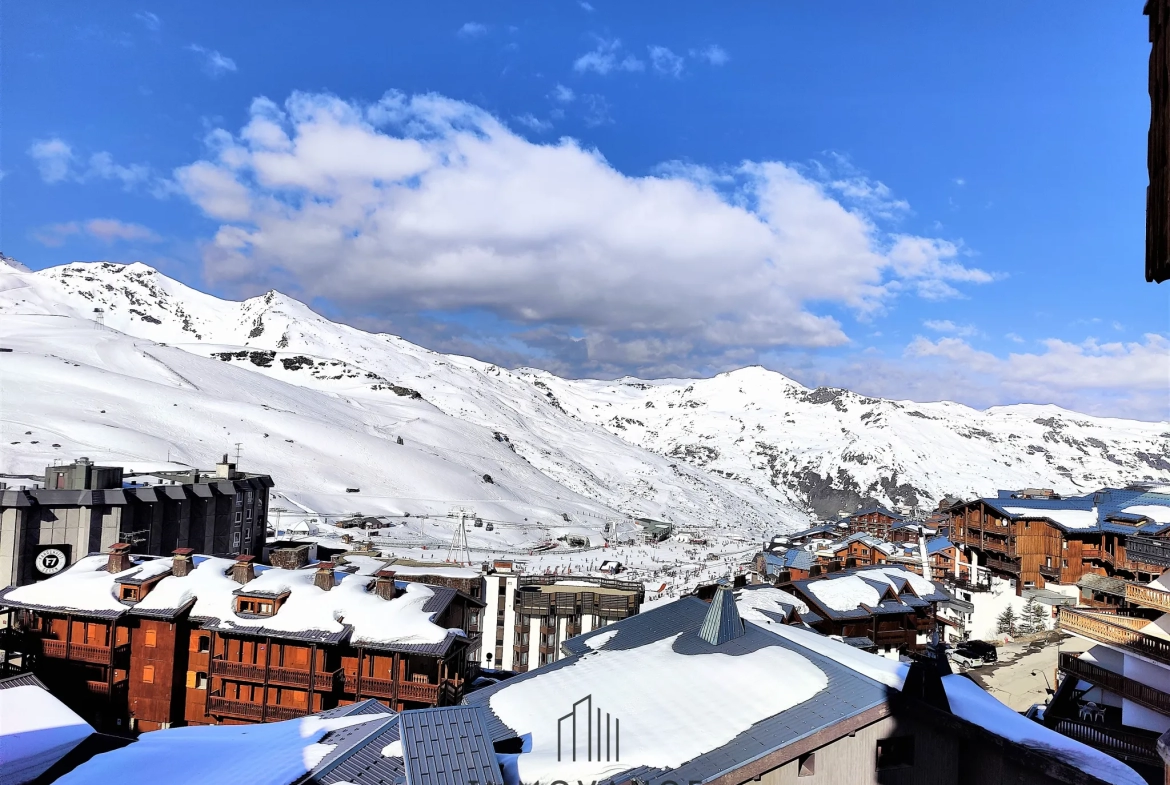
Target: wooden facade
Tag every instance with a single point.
(877, 521)
(140, 671)
(1033, 551)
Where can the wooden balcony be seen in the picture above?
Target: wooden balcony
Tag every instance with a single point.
(1147, 597)
(103, 688)
(1148, 550)
(285, 677)
(101, 655)
(384, 688)
(1135, 691)
(1002, 565)
(1118, 743)
(1123, 632)
(218, 706)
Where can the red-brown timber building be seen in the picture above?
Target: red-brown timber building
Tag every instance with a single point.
(137, 643)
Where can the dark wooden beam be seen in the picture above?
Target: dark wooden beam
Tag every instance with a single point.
(1158, 156)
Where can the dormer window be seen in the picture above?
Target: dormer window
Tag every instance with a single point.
(128, 592)
(256, 606)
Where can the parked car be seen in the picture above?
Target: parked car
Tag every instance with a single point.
(981, 650)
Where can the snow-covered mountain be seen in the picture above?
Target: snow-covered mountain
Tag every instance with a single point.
(175, 375)
(321, 405)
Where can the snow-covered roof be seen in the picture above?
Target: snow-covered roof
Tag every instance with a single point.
(767, 604)
(275, 753)
(768, 688)
(1108, 509)
(843, 594)
(36, 731)
(350, 609)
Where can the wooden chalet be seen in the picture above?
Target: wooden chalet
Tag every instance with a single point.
(1037, 540)
(875, 520)
(886, 609)
(863, 549)
(137, 644)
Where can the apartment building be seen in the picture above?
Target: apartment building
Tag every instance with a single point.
(83, 508)
(139, 643)
(527, 617)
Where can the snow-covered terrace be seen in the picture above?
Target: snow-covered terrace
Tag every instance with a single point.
(350, 609)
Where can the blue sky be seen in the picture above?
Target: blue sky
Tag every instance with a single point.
(915, 200)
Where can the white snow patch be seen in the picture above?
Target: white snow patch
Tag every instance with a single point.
(970, 702)
(36, 730)
(599, 640)
(663, 700)
(1159, 512)
(751, 602)
(882, 670)
(1070, 519)
(393, 749)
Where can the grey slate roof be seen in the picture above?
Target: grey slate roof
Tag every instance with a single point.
(848, 693)
(1102, 583)
(448, 746)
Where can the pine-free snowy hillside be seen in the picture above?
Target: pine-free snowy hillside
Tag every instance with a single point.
(320, 406)
(738, 449)
(832, 448)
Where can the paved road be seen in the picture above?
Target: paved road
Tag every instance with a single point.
(1011, 678)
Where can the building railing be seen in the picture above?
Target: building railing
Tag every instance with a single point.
(1148, 550)
(218, 706)
(1135, 691)
(1147, 597)
(1115, 630)
(103, 687)
(384, 688)
(1118, 743)
(1002, 565)
(286, 677)
(81, 652)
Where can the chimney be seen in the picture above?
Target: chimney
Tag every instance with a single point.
(834, 565)
(183, 564)
(243, 571)
(783, 578)
(384, 586)
(323, 578)
(290, 558)
(120, 560)
(225, 470)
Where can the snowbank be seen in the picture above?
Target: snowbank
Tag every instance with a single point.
(36, 731)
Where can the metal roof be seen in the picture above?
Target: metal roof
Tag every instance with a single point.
(1109, 504)
(448, 746)
(22, 680)
(722, 622)
(848, 692)
(357, 754)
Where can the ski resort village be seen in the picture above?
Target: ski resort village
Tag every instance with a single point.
(584, 393)
(335, 555)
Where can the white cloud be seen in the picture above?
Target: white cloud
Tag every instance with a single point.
(562, 94)
(1119, 379)
(713, 54)
(949, 327)
(586, 6)
(534, 123)
(57, 162)
(666, 61)
(596, 110)
(107, 230)
(53, 157)
(423, 203)
(149, 19)
(606, 57)
(959, 181)
(215, 64)
(471, 30)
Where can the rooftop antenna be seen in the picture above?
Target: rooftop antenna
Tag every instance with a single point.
(458, 548)
(239, 446)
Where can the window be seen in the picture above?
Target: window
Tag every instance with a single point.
(239, 517)
(196, 680)
(150, 637)
(239, 500)
(129, 592)
(806, 765)
(248, 516)
(236, 540)
(203, 643)
(895, 752)
(248, 500)
(148, 674)
(247, 535)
